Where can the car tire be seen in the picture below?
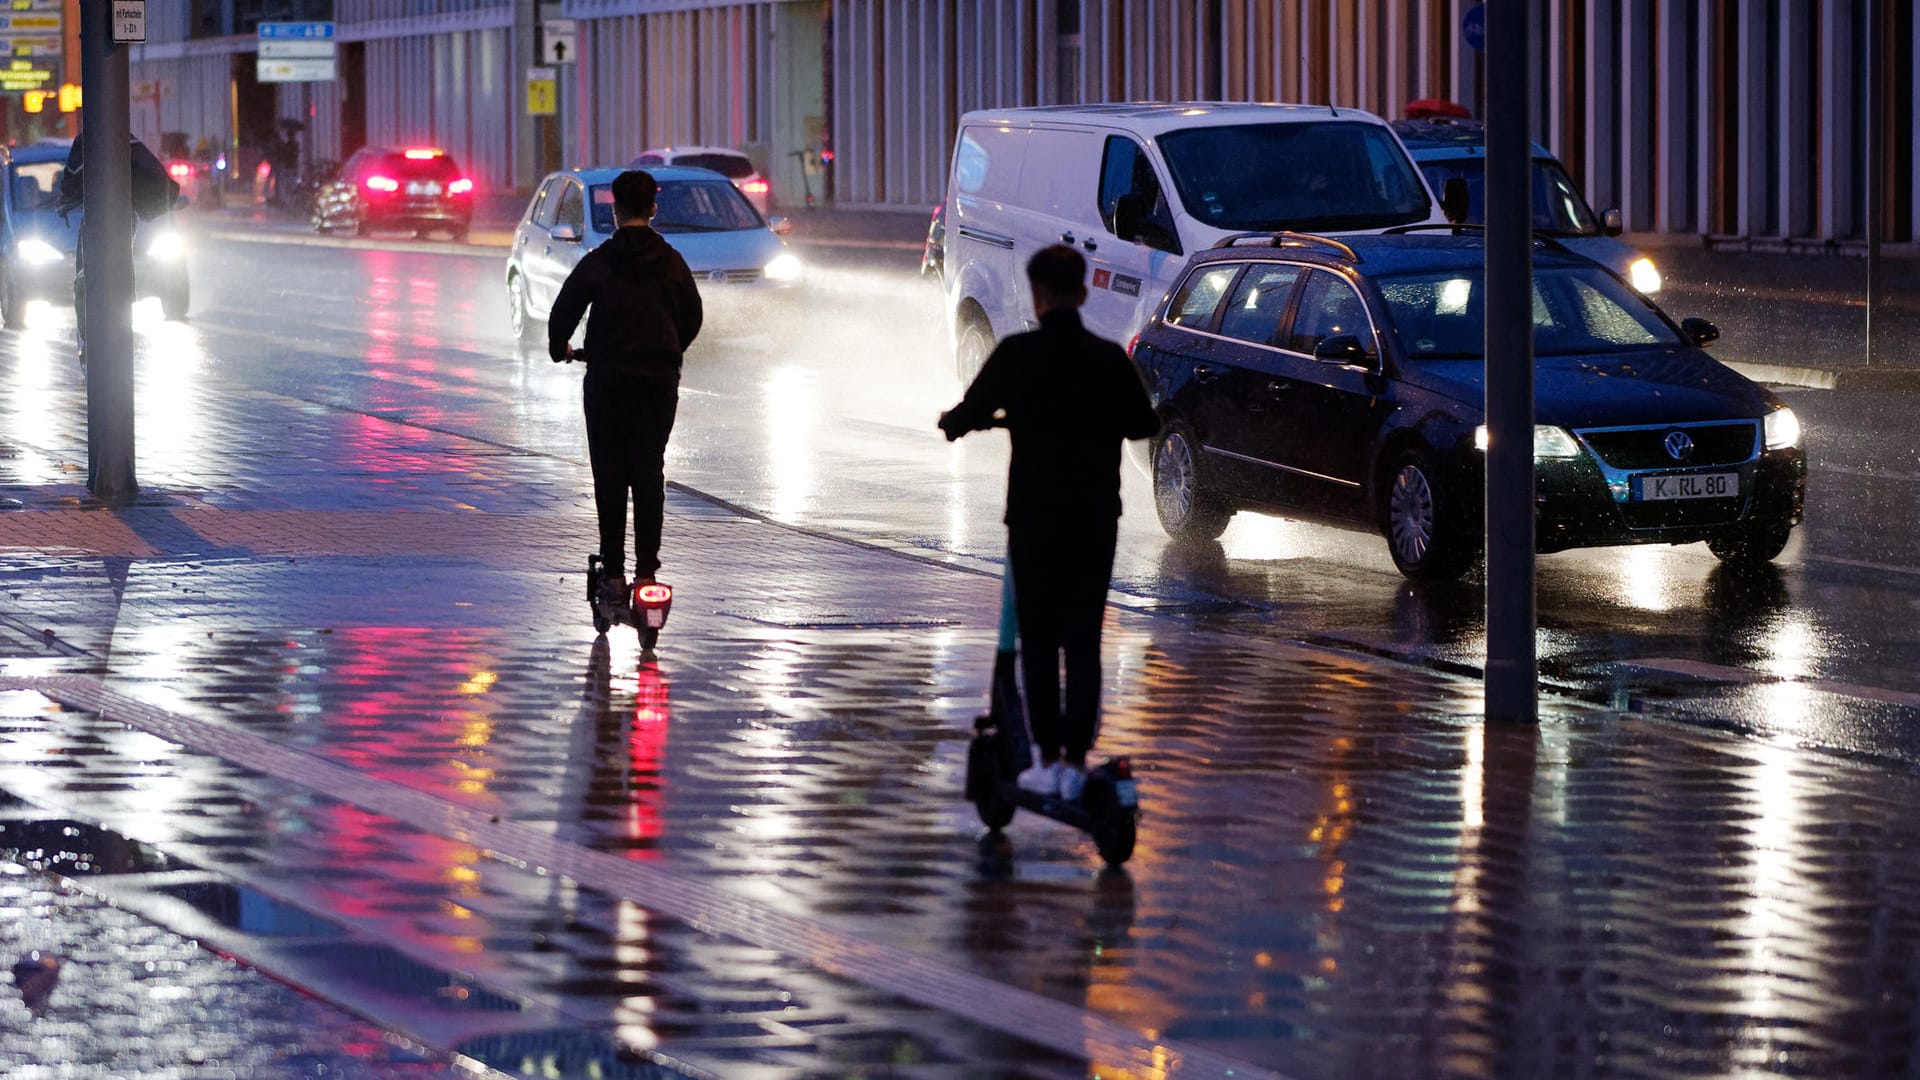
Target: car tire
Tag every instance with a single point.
(1751, 545)
(1427, 526)
(13, 306)
(971, 349)
(1188, 511)
(174, 298)
(519, 315)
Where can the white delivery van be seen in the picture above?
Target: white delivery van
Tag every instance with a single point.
(1138, 187)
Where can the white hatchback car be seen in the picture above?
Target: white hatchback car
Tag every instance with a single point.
(732, 164)
(734, 254)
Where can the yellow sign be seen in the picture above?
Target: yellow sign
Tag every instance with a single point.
(36, 100)
(543, 92)
(69, 97)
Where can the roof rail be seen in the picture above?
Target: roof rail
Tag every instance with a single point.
(1459, 227)
(1287, 238)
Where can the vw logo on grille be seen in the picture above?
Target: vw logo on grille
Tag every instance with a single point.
(1679, 445)
(716, 275)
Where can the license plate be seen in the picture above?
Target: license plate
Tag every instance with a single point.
(1127, 792)
(656, 618)
(1690, 486)
(417, 188)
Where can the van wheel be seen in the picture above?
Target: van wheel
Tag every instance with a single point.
(1426, 529)
(1187, 510)
(971, 351)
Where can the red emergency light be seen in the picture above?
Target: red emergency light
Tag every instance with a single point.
(424, 153)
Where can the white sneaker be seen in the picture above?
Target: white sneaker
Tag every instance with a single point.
(1041, 779)
(1073, 779)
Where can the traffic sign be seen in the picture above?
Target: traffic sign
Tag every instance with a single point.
(296, 31)
(1473, 26)
(129, 21)
(298, 70)
(557, 41)
(295, 49)
(543, 92)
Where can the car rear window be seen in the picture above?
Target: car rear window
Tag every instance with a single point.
(731, 166)
(34, 184)
(433, 168)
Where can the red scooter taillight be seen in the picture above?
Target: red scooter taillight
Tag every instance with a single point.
(652, 594)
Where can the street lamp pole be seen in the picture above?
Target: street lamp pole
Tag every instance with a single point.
(1512, 678)
(106, 252)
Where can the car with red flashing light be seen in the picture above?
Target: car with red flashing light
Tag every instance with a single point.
(421, 190)
(735, 165)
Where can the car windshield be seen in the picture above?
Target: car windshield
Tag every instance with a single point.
(1577, 310)
(731, 166)
(1558, 208)
(1319, 177)
(686, 206)
(34, 184)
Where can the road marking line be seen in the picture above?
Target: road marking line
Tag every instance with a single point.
(930, 981)
(1700, 669)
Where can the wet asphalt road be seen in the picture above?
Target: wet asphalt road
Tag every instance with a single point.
(821, 413)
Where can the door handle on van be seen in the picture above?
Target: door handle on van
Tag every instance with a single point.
(1066, 238)
(1089, 244)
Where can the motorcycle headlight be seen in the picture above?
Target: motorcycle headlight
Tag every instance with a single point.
(1782, 429)
(1548, 441)
(167, 245)
(36, 250)
(1644, 276)
(784, 267)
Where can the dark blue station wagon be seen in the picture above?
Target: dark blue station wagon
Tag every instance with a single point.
(1343, 380)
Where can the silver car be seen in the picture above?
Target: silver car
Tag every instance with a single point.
(732, 251)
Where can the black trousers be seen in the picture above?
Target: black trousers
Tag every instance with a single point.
(1060, 579)
(629, 417)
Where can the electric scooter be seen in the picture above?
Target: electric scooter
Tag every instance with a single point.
(643, 606)
(1108, 809)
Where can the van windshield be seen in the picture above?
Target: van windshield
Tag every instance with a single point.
(1323, 176)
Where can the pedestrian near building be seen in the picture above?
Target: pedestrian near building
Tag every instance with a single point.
(1069, 400)
(645, 312)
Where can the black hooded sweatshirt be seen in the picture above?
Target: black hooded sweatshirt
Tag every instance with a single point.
(646, 308)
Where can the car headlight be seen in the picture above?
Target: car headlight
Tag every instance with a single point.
(167, 245)
(784, 267)
(1781, 429)
(1548, 441)
(1644, 276)
(36, 250)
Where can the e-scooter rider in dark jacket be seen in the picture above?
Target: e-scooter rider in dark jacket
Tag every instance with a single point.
(1069, 399)
(645, 312)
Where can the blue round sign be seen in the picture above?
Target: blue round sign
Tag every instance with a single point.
(1473, 26)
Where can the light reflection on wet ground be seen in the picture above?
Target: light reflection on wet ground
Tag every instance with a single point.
(1336, 875)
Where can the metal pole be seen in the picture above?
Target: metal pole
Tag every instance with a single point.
(106, 242)
(1512, 670)
(1877, 42)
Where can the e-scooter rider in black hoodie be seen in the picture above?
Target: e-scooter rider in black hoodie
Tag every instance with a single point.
(645, 312)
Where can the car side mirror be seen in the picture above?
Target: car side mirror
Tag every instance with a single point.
(1453, 200)
(1611, 223)
(780, 225)
(566, 234)
(1699, 331)
(1340, 349)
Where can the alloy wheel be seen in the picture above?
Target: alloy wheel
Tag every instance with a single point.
(1410, 516)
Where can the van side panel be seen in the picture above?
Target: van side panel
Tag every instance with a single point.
(987, 164)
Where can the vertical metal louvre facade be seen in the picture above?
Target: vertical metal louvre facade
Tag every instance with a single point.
(1745, 120)
(676, 78)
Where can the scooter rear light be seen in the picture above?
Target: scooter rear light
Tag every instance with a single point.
(652, 594)
(1122, 768)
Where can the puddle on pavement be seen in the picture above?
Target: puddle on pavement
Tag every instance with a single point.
(248, 910)
(390, 970)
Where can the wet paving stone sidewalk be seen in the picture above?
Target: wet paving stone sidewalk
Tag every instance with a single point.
(1341, 871)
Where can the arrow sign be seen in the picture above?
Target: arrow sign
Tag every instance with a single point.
(557, 41)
